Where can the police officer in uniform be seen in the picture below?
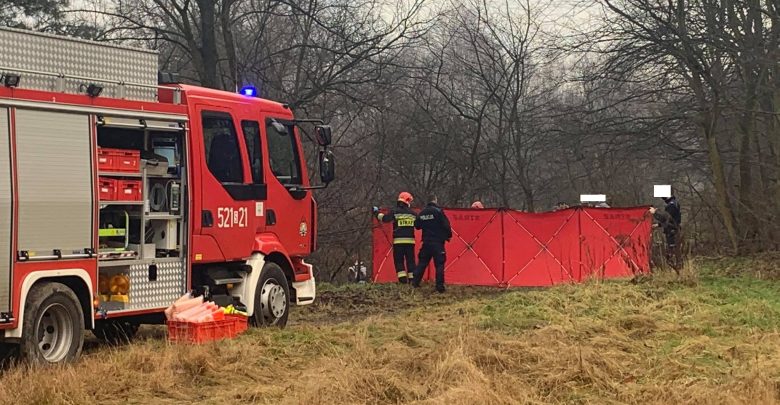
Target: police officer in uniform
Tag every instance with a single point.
(673, 231)
(672, 206)
(436, 231)
(664, 220)
(402, 218)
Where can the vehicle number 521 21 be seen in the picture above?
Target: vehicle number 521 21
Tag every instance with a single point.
(229, 217)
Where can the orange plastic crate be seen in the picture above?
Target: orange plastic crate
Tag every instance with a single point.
(197, 333)
(188, 332)
(241, 322)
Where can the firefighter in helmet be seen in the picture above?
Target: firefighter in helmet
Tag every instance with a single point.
(402, 218)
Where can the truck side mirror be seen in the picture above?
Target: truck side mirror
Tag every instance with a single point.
(323, 135)
(327, 166)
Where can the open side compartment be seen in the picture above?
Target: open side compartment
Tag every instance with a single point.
(142, 183)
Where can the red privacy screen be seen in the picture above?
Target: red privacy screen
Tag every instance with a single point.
(507, 248)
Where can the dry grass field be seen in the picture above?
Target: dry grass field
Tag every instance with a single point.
(710, 336)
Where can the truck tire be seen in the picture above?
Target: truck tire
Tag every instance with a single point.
(53, 327)
(115, 332)
(272, 298)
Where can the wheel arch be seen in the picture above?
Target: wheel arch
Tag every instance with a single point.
(77, 280)
(284, 262)
(267, 248)
(268, 245)
(84, 295)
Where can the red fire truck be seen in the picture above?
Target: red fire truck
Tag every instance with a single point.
(121, 190)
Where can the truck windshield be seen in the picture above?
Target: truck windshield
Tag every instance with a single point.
(283, 154)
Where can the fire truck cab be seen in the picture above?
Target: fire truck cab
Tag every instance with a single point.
(120, 191)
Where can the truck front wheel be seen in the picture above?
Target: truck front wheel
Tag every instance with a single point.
(272, 298)
(53, 327)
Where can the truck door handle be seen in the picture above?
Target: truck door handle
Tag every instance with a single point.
(207, 219)
(270, 217)
(152, 272)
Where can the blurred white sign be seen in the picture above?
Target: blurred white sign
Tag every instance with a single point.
(593, 197)
(662, 191)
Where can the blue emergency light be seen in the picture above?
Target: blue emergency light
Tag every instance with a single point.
(249, 91)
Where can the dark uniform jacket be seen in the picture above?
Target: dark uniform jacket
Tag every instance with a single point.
(673, 208)
(434, 224)
(665, 221)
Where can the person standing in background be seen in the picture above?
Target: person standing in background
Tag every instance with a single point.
(436, 231)
(662, 219)
(674, 234)
(403, 219)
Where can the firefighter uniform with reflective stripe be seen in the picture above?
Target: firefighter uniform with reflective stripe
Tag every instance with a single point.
(402, 218)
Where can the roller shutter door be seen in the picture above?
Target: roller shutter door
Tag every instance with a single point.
(54, 163)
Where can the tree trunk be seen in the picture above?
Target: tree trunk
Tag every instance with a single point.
(230, 44)
(765, 215)
(747, 209)
(774, 139)
(719, 179)
(304, 49)
(208, 43)
(771, 104)
(529, 199)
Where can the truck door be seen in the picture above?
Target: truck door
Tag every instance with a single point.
(289, 210)
(227, 212)
(250, 129)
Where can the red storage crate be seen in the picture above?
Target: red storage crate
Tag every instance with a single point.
(189, 332)
(107, 189)
(128, 190)
(119, 160)
(241, 322)
(126, 160)
(106, 160)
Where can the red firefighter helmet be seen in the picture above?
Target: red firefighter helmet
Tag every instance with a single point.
(477, 205)
(405, 197)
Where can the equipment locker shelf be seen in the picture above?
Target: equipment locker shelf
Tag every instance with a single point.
(140, 211)
(137, 175)
(157, 218)
(107, 203)
(153, 216)
(120, 174)
(126, 263)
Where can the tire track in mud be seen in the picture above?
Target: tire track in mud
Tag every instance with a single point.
(354, 304)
